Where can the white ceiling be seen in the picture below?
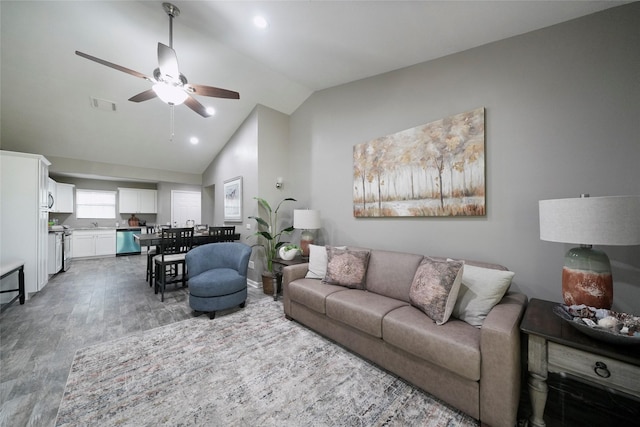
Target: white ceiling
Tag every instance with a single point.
(309, 46)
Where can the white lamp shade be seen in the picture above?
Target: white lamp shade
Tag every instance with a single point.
(611, 220)
(170, 94)
(306, 219)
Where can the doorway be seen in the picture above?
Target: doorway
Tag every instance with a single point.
(185, 206)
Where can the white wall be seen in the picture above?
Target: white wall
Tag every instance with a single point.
(562, 115)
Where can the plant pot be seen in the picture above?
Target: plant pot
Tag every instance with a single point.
(268, 281)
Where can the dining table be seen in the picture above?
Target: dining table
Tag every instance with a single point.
(199, 238)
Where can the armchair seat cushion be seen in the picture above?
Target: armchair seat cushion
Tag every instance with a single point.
(217, 282)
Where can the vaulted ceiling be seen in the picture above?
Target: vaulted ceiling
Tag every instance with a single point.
(47, 90)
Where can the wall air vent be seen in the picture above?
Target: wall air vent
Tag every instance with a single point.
(103, 104)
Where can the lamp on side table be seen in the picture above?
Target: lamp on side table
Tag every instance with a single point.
(306, 220)
(613, 220)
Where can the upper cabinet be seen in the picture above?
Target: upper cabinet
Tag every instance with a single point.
(64, 199)
(60, 197)
(136, 200)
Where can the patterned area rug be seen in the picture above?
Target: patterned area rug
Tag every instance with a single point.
(250, 367)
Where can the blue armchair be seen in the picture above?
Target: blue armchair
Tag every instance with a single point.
(217, 275)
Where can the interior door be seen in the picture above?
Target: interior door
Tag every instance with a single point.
(185, 205)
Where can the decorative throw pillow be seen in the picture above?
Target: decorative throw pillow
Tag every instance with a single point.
(318, 262)
(435, 287)
(481, 289)
(346, 267)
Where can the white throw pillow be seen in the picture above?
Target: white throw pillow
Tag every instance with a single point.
(481, 289)
(318, 261)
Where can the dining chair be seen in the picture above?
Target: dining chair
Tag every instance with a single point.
(174, 245)
(152, 251)
(223, 234)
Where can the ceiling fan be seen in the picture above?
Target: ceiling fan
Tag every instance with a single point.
(169, 84)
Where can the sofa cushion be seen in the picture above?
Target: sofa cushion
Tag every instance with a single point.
(312, 293)
(318, 261)
(361, 309)
(391, 273)
(481, 289)
(435, 287)
(346, 267)
(454, 346)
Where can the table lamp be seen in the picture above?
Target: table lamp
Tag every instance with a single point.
(587, 221)
(306, 220)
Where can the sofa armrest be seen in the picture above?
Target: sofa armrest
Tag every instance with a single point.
(289, 274)
(500, 370)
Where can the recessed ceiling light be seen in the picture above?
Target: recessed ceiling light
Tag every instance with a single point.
(260, 22)
(194, 140)
(211, 111)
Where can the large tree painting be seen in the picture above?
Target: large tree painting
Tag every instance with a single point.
(435, 169)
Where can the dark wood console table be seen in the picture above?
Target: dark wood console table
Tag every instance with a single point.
(557, 347)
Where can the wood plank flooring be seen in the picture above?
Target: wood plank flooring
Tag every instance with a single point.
(97, 300)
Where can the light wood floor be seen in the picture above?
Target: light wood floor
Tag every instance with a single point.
(97, 300)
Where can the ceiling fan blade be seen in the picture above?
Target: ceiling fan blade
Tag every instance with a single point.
(192, 103)
(112, 65)
(144, 96)
(168, 61)
(212, 91)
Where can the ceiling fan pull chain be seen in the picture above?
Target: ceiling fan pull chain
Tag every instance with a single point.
(172, 125)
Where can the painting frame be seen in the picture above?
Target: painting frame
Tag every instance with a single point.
(436, 169)
(232, 196)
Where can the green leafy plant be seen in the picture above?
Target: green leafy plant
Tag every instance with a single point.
(268, 230)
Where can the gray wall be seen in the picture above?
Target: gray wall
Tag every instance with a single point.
(562, 116)
(258, 152)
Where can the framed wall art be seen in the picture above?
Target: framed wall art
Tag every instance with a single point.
(233, 199)
(436, 169)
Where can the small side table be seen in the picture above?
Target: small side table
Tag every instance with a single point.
(6, 270)
(278, 265)
(555, 346)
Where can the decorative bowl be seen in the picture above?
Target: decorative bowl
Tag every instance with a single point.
(287, 255)
(603, 334)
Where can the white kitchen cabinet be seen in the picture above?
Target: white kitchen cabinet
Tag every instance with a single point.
(24, 193)
(61, 195)
(64, 197)
(88, 243)
(136, 200)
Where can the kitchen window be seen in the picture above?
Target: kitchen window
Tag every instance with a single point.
(95, 204)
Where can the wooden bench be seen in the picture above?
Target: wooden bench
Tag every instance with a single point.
(7, 269)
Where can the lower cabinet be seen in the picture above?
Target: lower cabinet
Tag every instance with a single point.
(94, 243)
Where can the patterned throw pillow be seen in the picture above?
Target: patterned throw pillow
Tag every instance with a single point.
(346, 267)
(435, 288)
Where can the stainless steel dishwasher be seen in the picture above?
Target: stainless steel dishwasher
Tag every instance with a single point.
(126, 244)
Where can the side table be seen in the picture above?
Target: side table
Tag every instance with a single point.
(555, 346)
(278, 265)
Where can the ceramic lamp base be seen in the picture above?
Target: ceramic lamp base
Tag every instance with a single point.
(306, 239)
(587, 279)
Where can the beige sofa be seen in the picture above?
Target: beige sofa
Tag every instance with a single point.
(474, 369)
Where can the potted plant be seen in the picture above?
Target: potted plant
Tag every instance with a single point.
(268, 231)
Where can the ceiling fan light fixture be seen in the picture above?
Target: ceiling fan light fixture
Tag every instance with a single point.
(169, 94)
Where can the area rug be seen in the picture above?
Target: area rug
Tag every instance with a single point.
(251, 367)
